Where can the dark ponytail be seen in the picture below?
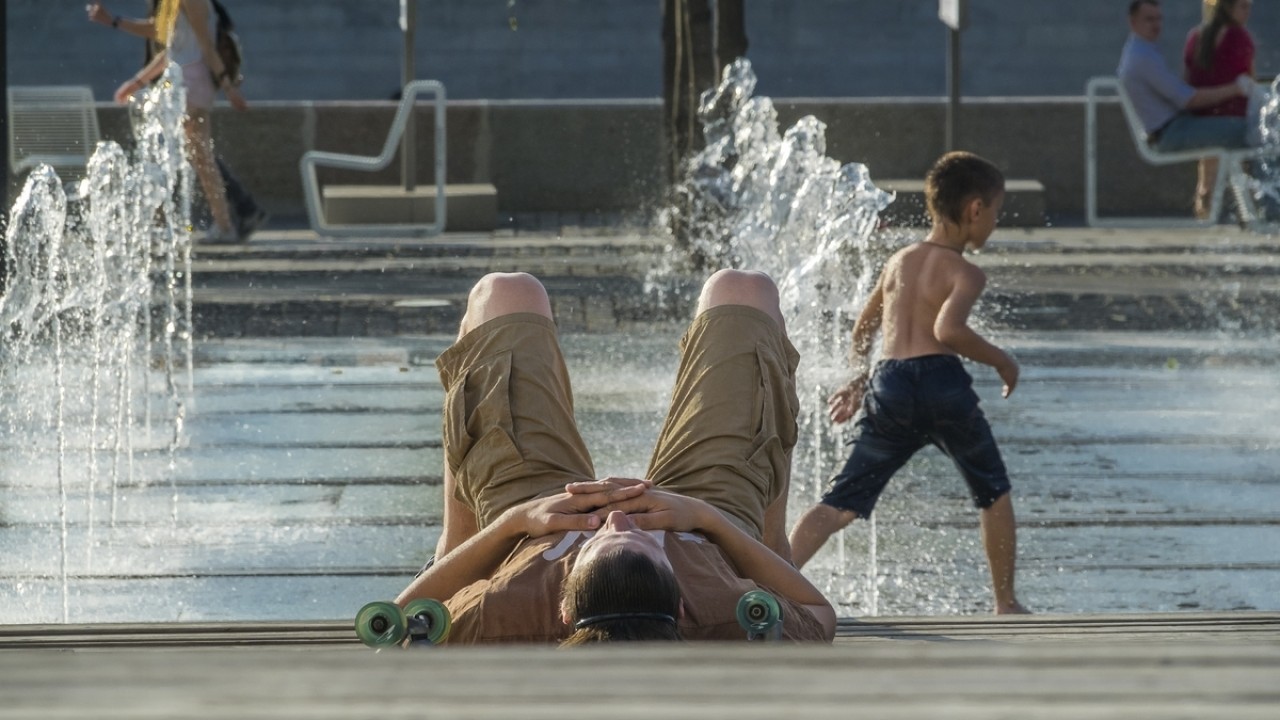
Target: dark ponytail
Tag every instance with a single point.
(1206, 44)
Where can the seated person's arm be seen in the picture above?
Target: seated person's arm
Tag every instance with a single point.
(661, 510)
(1210, 96)
(1156, 76)
(483, 552)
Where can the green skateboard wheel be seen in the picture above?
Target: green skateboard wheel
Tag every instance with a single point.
(381, 624)
(428, 620)
(760, 615)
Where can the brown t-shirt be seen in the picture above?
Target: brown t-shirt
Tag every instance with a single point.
(521, 601)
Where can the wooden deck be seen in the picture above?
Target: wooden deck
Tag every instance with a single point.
(1192, 665)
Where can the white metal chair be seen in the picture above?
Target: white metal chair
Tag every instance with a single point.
(1231, 164)
(316, 158)
(55, 125)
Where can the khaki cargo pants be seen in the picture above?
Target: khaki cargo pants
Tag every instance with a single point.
(510, 434)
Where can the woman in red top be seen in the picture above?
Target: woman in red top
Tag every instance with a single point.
(1217, 52)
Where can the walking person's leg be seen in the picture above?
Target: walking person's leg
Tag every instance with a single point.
(200, 153)
(964, 434)
(1206, 176)
(1000, 540)
(248, 216)
(877, 454)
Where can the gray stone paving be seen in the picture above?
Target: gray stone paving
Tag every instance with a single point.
(308, 482)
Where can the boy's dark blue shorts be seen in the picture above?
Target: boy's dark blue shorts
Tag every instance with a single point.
(908, 404)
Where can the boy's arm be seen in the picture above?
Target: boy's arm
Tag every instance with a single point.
(952, 328)
(864, 331)
(844, 402)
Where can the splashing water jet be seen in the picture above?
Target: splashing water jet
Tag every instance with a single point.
(82, 268)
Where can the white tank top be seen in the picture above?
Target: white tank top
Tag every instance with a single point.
(184, 49)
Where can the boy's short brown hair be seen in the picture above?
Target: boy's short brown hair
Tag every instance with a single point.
(955, 179)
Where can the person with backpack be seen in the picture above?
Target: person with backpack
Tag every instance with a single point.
(193, 43)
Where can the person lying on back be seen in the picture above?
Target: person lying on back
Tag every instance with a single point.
(535, 548)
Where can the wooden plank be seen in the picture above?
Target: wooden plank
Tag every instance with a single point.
(890, 680)
(1221, 628)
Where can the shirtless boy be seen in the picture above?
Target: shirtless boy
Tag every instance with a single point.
(919, 392)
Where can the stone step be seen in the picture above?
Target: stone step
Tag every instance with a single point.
(289, 282)
(1023, 203)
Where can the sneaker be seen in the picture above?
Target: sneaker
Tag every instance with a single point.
(251, 222)
(217, 236)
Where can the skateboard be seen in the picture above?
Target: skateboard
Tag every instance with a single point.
(423, 623)
(760, 615)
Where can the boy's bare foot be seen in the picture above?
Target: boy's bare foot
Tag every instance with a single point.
(1013, 608)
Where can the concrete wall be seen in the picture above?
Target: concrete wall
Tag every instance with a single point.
(350, 49)
(606, 156)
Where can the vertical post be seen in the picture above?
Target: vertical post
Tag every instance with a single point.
(953, 89)
(408, 142)
(4, 127)
(4, 143)
(954, 13)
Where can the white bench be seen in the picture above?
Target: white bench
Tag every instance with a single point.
(317, 158)
(52, 124)
(1231, 164)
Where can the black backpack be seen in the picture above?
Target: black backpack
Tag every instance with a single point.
(228, 46)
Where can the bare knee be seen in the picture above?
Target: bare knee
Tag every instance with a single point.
(840, 518)
(498, 294)
(829, 519)
(742, 287)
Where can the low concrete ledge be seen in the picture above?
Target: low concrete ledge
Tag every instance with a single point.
(471, 207)
(607, 155)
(1023, 203)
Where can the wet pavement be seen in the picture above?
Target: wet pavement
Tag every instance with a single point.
(307, 480)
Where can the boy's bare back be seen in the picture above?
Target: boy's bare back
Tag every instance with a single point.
(919, 286)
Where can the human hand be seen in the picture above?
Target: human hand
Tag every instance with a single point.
(566, 511)
(1008, 371)
(844, 402)
(1246, 84)
(97, 13)
(126, 91)
(654, 509)
(236, 99)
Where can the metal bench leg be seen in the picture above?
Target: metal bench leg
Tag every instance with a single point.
(1220, 184)
(1245, 207)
